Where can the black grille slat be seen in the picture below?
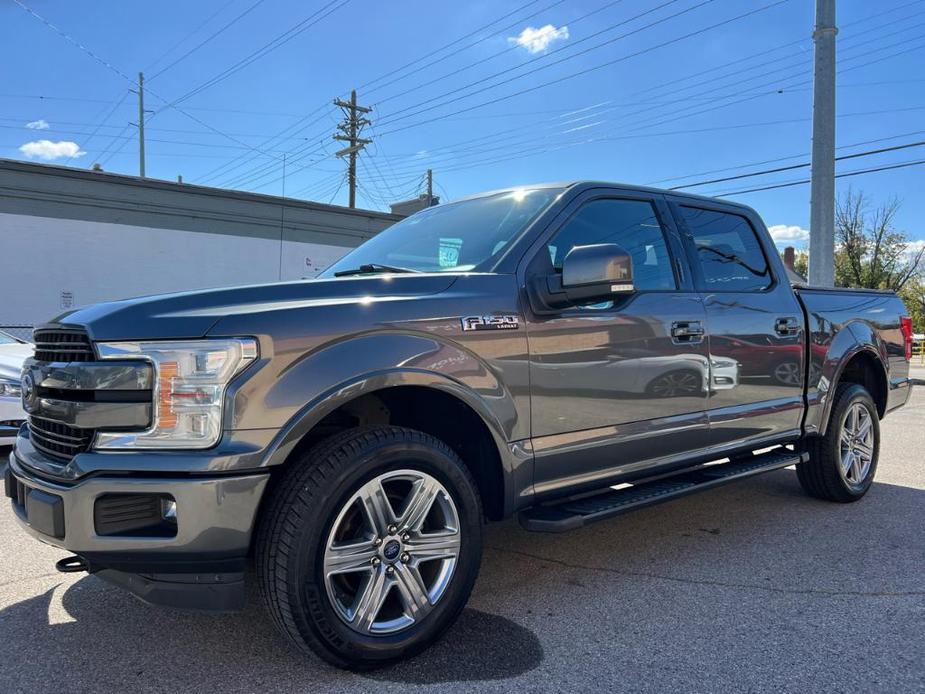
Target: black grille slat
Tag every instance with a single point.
(59, 440)
(55, 439)
(62, 345)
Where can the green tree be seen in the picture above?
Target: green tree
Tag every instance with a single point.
(870, 252)
(913, 295)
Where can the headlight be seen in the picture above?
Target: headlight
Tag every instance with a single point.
(10, 388)
(190, 380)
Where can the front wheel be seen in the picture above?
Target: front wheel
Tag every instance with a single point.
(370, 546)
(842, 463)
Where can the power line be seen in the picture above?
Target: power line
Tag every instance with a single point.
(417, 60)
(209, 38)
(792, 167)
(103, 122)
(189, 35)
(395, 115)
(585, 71)
(772, 161)
(132, 82)
(649, 124)
(478, 42)
(845, 174)
(270, 46)
(365, 85)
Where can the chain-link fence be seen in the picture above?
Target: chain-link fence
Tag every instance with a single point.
(23, 332)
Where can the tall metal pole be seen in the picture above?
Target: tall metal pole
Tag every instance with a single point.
(141, 124)
(353, 123)
(430, 187)
(352, 171)
(822, 195)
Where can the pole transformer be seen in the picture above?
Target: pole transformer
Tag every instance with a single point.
(822, 195)
(349, 132)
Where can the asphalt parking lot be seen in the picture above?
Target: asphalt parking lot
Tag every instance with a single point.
(752, 587)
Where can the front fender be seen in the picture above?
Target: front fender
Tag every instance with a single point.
(304, 392)
(339, 373)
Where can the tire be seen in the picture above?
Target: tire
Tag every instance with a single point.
(830, 474)
(316, 545)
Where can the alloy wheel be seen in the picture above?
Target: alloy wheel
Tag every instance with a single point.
(391, 552)
(856, 445)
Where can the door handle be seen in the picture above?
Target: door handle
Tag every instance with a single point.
(687, 332)
(786, 327)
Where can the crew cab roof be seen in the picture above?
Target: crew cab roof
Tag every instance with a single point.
(589, 184)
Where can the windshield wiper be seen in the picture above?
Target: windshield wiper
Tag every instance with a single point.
(372, 268)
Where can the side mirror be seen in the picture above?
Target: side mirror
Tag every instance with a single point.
(589, 273)
(597, 272)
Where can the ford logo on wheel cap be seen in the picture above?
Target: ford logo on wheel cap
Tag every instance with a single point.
(391, 550)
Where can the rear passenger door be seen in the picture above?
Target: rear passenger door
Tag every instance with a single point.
(754, 323)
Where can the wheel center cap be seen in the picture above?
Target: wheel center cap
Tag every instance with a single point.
(391, 550)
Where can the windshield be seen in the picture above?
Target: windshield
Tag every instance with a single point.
(8, 339)
(454, 237)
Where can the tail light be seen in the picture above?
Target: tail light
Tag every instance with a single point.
(905, 323)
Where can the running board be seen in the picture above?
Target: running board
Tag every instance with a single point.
(577, 512)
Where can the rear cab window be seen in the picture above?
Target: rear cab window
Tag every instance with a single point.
(728, 251)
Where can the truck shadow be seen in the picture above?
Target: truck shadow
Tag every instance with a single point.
(92, 636)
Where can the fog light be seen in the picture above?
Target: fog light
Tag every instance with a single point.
(169, 510)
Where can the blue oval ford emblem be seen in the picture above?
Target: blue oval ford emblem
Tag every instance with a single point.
(28, 391)
(391, 550)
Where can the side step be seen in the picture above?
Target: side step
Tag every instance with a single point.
(577, 512)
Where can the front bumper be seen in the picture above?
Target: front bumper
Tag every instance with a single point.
(201, 565)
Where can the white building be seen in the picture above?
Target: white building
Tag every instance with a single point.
(71, 237)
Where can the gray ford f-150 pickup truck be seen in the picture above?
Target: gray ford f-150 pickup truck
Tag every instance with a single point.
(565, 353)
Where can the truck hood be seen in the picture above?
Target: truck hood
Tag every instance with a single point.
(190, 315)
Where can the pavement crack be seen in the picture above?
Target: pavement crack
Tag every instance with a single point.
(707, 582)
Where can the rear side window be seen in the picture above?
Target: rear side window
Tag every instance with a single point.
(630, 223)
(729, 251)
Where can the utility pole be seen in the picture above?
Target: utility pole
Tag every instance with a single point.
(141, 124)
(822, 195)
(349, 132)
(430, 187)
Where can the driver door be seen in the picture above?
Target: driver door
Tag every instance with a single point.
(618, 386)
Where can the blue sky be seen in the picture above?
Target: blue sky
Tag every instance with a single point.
(487, 93)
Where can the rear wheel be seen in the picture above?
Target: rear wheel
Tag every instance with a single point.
(842, 463)
(370, 546)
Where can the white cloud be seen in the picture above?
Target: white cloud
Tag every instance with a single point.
(40, 124)
(788, 235)
(538, 40)
(49, 151)
(914, 247)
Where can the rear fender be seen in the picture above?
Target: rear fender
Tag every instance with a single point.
(852, 339)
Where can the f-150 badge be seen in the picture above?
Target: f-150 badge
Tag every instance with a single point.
(499, 322)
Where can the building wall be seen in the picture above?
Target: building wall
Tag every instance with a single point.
(70, 238)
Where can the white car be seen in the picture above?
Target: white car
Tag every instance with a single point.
(13, 352)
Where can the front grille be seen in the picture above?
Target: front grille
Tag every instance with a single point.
(54, 345)
(58, 440)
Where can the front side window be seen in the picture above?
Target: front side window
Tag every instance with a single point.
(631, 224)
(729, 252)
(453, 237)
